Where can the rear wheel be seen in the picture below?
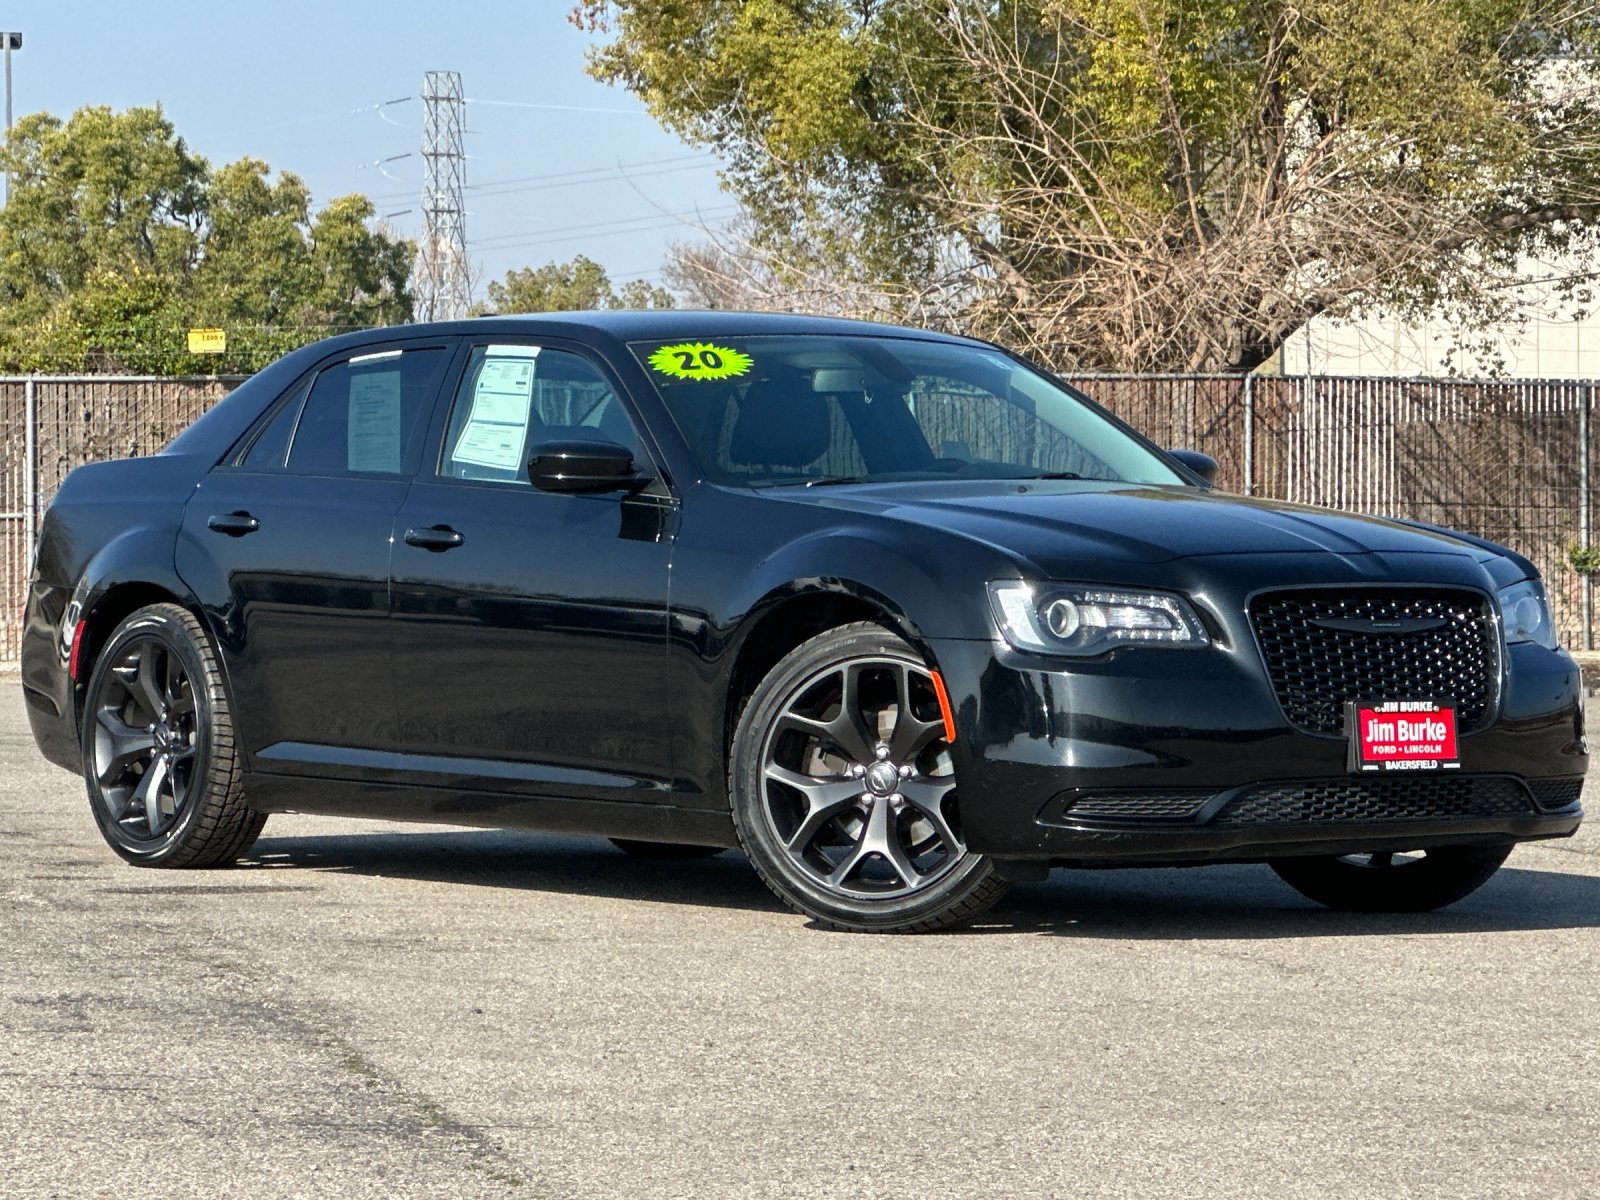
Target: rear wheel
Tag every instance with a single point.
(1393, 882)
(159, 757)
(844, 794)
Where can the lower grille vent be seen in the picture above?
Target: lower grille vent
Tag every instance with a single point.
(1363, 800)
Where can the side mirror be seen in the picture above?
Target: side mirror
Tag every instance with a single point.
(1202, 465)
(583, 466)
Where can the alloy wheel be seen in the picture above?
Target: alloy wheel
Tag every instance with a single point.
(857, 781)
(147, 733)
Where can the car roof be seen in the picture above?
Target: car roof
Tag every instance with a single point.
(639, 325)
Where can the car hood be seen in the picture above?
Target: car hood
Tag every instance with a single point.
(1051, 522)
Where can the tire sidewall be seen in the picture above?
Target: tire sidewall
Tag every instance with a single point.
(759, 839)
(178, 640)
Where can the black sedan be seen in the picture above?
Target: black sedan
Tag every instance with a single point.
(899, 615)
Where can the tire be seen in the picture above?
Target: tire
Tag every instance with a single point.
(839, 836)
(664, 851)
(158, 735)
(1391, 882)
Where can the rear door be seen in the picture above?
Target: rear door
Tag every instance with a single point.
(288, 542)
(531, 628)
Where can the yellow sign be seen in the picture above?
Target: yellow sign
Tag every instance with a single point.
(700, 360)
(208, 341)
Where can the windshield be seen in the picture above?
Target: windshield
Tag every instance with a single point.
(815, 409)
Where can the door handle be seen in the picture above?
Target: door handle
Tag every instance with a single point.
(439, 538)
(234, 524)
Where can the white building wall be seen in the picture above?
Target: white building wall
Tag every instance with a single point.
(1552, 341)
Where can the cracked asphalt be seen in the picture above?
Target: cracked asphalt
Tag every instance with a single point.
(397, 1010)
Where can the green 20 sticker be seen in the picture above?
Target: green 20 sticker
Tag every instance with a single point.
(700, 360)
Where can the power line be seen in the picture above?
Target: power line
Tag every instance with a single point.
(330, 115)
(650, 221)
(621, 166)
(652, 218)
(583, 108)
(616, 175)
(586, 175)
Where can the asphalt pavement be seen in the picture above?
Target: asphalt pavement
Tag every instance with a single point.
(365, 1009)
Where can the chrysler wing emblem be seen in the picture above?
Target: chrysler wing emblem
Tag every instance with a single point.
(1380, 624)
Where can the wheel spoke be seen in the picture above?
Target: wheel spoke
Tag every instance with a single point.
(927, 797)
(878, 838)
(1382, 859)
(897, 856)
(825, 799)
(861, 850)
(172, 683)
(129, 743)
(847, 733)
(912, 736)
(148, 680)
(851, 722)
(149, 793)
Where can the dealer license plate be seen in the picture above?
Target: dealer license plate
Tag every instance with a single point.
(1401, 735)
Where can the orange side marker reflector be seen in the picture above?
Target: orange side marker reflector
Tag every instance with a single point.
(944, 706)
(77, 645)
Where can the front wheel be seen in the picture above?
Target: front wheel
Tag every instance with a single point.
(159, 756)
(1392, 882)
(844, 795)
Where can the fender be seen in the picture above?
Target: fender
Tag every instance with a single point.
(716, 611)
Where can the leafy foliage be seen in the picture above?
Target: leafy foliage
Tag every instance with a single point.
(1132, 184)
(117, 240)
(1585, 560)
(580, 285)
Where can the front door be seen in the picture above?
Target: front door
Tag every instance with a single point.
(530, 628)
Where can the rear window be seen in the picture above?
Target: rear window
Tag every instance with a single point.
(361, 415)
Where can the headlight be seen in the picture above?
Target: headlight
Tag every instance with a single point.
(1066, 619)
(1525, 615)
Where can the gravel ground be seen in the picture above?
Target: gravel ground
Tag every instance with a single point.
(395, 1010)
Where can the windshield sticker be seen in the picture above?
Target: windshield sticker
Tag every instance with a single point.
(700, 360)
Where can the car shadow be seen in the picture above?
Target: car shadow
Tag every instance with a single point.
(537, 862)
(1219, 902)
(1250, 903)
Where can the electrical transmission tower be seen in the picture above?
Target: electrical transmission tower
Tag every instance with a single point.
(443, 280)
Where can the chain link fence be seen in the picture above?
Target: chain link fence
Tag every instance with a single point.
(1508, 460)
(51, 424)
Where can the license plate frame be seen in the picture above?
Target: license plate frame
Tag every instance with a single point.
(1402, 735)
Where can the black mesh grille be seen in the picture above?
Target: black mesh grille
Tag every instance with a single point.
(1316, 668)
(1555, 793)
(1363, 800)
(1138, 806)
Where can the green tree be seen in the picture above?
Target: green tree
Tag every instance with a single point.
(118, 239)
(1133, 184)
(581, 285)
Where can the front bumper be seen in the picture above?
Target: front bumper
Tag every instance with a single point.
(1154, 755)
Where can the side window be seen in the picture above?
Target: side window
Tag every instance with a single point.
(361, 415)
(514, 397)
(270, 446)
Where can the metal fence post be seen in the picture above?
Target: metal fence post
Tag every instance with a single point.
(1585, 395)
(30, 469)
(1250, 435)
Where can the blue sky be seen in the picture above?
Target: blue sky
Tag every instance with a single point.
(298, 84)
